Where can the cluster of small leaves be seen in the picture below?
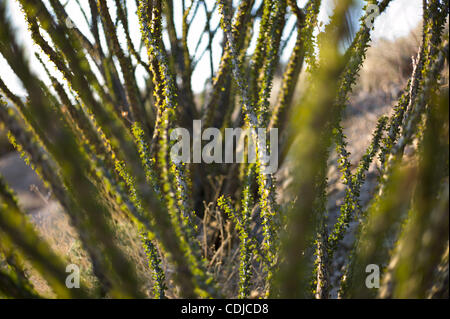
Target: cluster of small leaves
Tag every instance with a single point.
(242, 222)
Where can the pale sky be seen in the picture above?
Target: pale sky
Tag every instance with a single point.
(399, 19)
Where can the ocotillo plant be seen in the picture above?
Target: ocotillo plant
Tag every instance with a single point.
(99, 127)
